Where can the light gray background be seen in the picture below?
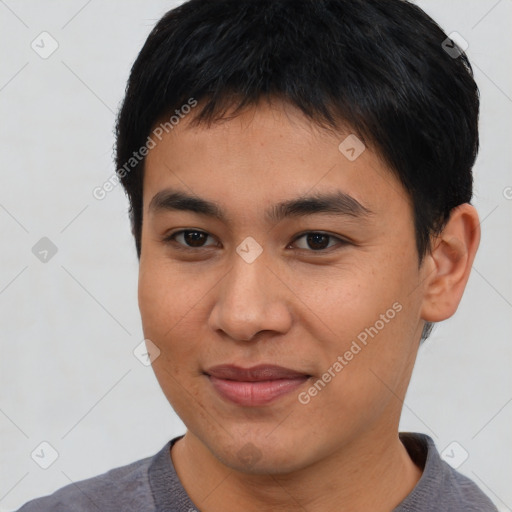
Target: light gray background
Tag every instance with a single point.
(69, 326)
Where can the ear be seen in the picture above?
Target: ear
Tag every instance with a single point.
(448, 266)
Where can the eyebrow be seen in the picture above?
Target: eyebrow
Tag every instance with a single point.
(334, 203)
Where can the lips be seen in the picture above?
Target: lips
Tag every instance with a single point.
(258, 385)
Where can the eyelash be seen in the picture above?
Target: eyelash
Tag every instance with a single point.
(172, 239)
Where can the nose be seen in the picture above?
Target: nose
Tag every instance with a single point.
(251, 298)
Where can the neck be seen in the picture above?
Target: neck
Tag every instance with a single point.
(373, 473)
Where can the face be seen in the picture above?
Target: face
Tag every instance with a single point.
(278, 326)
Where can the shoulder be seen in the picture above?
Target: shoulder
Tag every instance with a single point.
(124, 488)
(462, 494)
(441, 488)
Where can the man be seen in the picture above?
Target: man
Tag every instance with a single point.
(299, 177)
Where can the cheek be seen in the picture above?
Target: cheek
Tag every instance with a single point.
(370, 320)
(165, 307)
(363, 379)
(347, 299)
(169, 309)
(174, 302)
(166, 295)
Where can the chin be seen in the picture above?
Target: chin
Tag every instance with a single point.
(261, 456)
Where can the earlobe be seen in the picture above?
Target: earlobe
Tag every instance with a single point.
(450, 264)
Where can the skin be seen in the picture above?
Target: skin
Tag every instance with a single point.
(294, 307)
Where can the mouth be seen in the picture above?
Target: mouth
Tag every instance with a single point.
(255, 386)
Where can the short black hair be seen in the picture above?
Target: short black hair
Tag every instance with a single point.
(379, 67)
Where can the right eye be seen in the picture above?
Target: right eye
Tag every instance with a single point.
(188, 239)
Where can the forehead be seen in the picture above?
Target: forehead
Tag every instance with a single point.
(266, 155)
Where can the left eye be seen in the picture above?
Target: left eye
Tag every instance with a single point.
(318, 241)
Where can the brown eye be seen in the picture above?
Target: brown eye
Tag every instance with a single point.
(316, 241)
(189, 238)
(194, 238)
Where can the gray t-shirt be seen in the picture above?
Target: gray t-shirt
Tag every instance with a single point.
(152, 485)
